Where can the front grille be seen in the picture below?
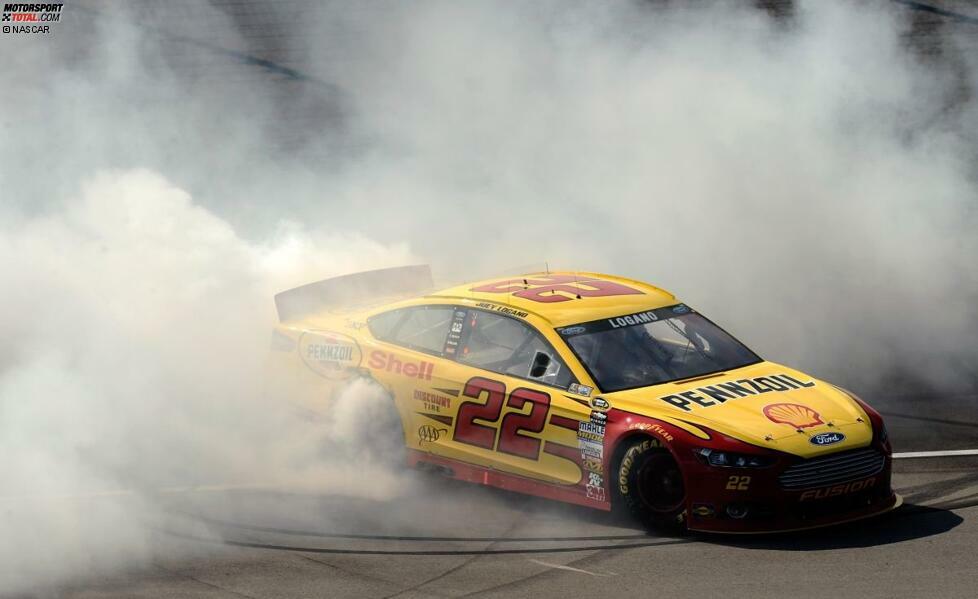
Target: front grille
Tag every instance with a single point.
(832, 469)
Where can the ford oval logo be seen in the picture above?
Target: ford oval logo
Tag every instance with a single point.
(572, 330)
(827, 439)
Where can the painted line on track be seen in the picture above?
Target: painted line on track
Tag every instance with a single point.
(934, 454)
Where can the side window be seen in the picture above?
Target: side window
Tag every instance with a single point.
(507, 346)
(423, 328)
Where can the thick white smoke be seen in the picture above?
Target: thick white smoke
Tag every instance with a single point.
(807, 182)
(136, 326)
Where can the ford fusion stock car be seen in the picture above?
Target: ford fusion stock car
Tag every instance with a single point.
(591, 389)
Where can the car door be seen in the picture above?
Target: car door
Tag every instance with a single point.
(513, 412)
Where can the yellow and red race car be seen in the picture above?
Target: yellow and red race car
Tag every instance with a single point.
(591, 389)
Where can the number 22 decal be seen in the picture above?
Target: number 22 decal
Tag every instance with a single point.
(510, 441)
(738, 483)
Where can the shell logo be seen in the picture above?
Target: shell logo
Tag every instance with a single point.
(796, 415)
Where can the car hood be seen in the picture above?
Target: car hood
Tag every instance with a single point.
(764, 404)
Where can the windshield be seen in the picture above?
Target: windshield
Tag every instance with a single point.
(652, 347)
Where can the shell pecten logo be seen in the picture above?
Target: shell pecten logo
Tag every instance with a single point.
(794, 414)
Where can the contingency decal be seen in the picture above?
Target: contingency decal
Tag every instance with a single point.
(332, 355)
(590, 440)
(455, 332)
(557, 288)
(711, 395)
(579, 389)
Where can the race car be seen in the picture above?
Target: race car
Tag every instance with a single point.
(591, 389)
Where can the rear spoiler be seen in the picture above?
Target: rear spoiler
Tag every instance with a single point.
(351, 289)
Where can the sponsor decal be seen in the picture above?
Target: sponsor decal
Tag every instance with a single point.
(580, 389)
(381, 360)
(431, 401)
(680, 309)
(599, 418)
(594, 465)
(827, 438)
(429, 434)
(455, 332)
(590, 431)
(595, 492)
(568, 331)
(628, 461)
(595, 479)
(837, 490)
(502, 309)
(796, 415)
(600, 403)
(557, 288)
(655, 428)
(716, 394)
(633, 319)
(591, 449)
(332, 355)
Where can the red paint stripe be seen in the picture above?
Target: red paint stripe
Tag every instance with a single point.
(564, 422)
(511, 482)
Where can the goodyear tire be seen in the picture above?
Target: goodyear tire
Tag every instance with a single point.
(650, 485)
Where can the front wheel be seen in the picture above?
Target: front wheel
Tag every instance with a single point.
(650, 485)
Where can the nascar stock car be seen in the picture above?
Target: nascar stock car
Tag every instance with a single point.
(590, 389)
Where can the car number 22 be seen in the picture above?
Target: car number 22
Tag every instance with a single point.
(509, 440)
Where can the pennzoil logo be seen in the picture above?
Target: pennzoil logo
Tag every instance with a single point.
(712, 395)
(332, 355)
(796, 415)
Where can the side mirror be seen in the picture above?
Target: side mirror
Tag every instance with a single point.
(541, 363)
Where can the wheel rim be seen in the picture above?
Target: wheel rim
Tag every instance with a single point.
(660, 483)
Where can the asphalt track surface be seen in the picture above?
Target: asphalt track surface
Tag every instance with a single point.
(448, 539)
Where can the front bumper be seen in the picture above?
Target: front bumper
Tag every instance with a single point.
(721, 500)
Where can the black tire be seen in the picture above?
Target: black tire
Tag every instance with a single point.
(650, 485)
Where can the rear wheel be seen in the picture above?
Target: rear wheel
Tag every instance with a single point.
(650, 485)
(365, 425)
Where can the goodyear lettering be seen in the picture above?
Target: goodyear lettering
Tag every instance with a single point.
(381, 360)
(837, 490)
(655, 428)
(712, 395)
(629, 460)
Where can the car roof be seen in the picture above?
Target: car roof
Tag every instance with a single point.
(564, 297)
